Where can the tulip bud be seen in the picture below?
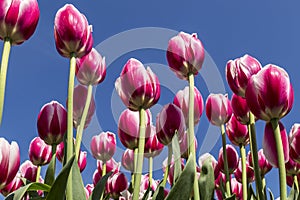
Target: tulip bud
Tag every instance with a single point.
(294, 140)
(169, 121)
(39, 152)
(269, 93)
(72, 33)
(10, 161)
(128, 128)
(137, 87)
(28, 170)
(82, 160)
(269, 144)
(60, 152)
(185, 54)
(237, 189)
(52, 123)
(153, 147)
(18, 20)
(145, 184)
(15, 184)
(237, 133)
(103, 146)
(80, 95)
(218, 109)
(88, 190)
(91, 68)
(183, 145)
(240, 109)
(116, 184)
(239, 71)
(96, 177)
(232, 159)
(111, 166)
(249, 172)
(263, 163)
(128, 160)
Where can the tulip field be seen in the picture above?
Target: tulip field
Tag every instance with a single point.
(57, 156)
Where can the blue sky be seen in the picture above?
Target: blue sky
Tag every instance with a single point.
(37, 74)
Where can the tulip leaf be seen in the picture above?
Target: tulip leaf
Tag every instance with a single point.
(177, 157)
(99, 188)
(50, 173)
(78, 187)
(184, 183)
(159, 193)
(232, 197)
(57, 191)
(293, 193)
(207, 181)
(18, 194)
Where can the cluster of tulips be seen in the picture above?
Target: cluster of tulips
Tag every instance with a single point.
(259, 93)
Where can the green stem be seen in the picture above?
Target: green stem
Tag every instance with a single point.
(227, 184)
(254, 154)
(150, 171)
(3, 72)
(54, 155)
(70, 121)
(168, 165)
(264, 185)
(296, 182)
(244, 171)
(103, 174)
(281, 163)
(82, 120)
(140, 155)
(38, 174)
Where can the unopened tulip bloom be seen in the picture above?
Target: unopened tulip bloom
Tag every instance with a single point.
(28, 170)
(294, 140)
(269, 144)
(18, 20)
(103, 146)
(237, 189)
(128, 160)
(232, 156)
(185, 54)
(82, 160)
(182, 101)
(169, 121)
(116, 184)
(263, 163)
(239, 71)
(237, 133)
(249, 172)
(292, 167)
(128, 128)
(9, 161)
(218, 109)
(240, 109)
(183, 145)
(52, 123)
(91, 68)
(137, 87)
(88, 190)
(39, 152)
(73, 34)
(269, 93)
(15, 184)
(145, 184)
(111, 166)
(153, 147)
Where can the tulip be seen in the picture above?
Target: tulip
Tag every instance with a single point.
(183, 145)
(91, 68)
(263, 163)
(237, 133)
(52, 123)
(82, 160)
(73, 34)
(221, 179)
(137, 87)
(237, 189)
(153, 147)
(169, 121)
(170, 175)
(249, 172)
(116, 184)
(240, 109)
(60, 152)
(88, 190)
(103, 146)
(292, 167)
(218, 109)
(269, 93)
(14, 185)
(239, 71)
(182, 101)
(128, 160)
(185, 54)
(39, 152)
(294, 140)
(96, 177)
(28, 170)
(232, 156)
(128, 128)
(111, 166)
(9, 161)
(204, 157)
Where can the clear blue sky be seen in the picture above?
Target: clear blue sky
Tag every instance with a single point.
(37, 74)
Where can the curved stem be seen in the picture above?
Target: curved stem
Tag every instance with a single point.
(3, 72)
(227, 184)
(38, 174)
(281, 163)
(150, 171)
(168, 165)
(296, 182)
(264, 185)
(244, 171)
(103, 174)
(140, 156)
(82, 120)
(254, 154)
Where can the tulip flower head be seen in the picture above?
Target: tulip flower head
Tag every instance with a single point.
(88, 190)
(232, 159)
(14, 185)
(204, 157)
(82, 160)
(292, 167)
(137, 87)
(39, 152)
(28, 170)
(18, 20)
(128, 160)
(237, 189)
(249, 172)
(240, 109)
(153, 147)
(72, 33)
(116, 184)
(269, 93)
(185, 54)
(263, 163)
(111, 166)
(239, 71)
(294, 141)
(103, 146)
(237, 133)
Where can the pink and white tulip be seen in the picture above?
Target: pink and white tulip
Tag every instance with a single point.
(237, 133)
(240, 109)
(263, 163)
(116, 184)
(28, 170)
(14, 185)
(153, 147)
(103, 146)
(39, 152)
(232, 159)
(294, 141)
(249, 172)
(128, 160)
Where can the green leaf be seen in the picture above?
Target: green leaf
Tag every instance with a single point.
(99, 188)
(207, 181)
(177, 157)
(78, 187)
(57, 191)
(50, 173)
(271, 194)
(146, 195)
(251, 194)
(18, 194)
(183, 187)
(231, 197)
(293, 193)
(159, 193)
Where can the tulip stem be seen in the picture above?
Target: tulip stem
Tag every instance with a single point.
(168, 165)
(103, 174)
(54, 155)
(83, 119)
(263, 180)
(244, 170)
(150, 170)
(70, 121)
(38, 174)
(136, 151)
(227, 184)
(3, 72)
(281, 163)
(140, 155)
(191, 137)
(254, 154)
(296, 182)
